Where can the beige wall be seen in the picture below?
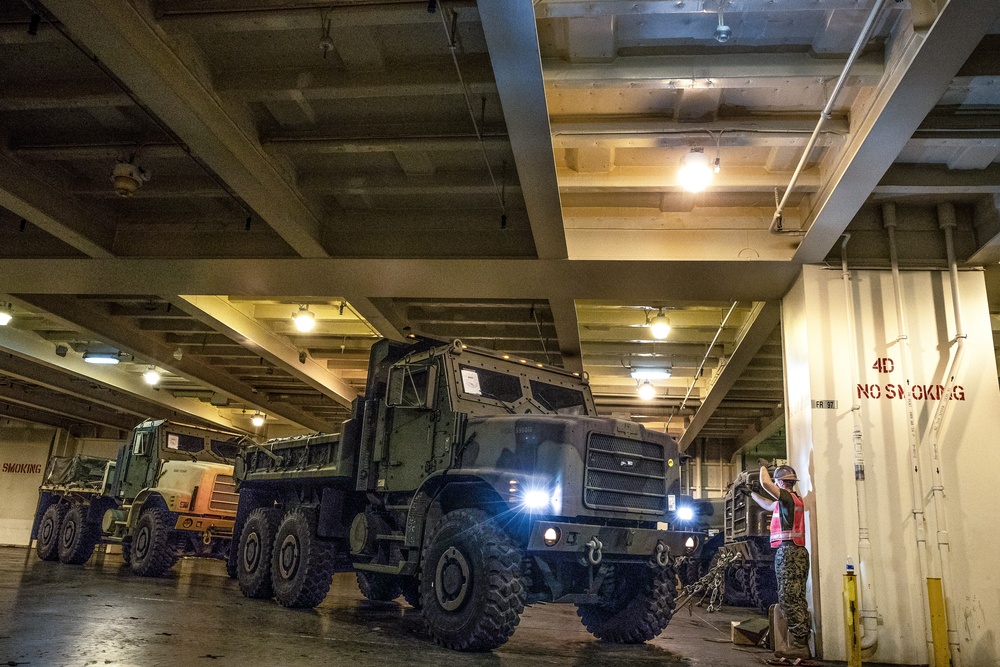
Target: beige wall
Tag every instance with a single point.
(25, 450)
(820, 445)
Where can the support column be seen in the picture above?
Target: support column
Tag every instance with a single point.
(821, 389)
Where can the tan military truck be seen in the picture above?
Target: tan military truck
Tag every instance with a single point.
(169, 493)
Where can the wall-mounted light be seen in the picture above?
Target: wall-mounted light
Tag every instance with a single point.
(102, 358)
(659, 326)
(257, 419)
(696, 171)
(647, 391)
(151, 376)
(304, 319)
(6, 315)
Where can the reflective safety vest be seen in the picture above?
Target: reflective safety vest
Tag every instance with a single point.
(798, 532)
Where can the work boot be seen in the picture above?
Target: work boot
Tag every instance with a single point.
(794, 650)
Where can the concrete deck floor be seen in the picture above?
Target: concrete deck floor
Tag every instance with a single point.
(100, 614)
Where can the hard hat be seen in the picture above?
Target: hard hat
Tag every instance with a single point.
(785, 473)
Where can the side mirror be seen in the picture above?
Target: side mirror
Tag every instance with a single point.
(411, 387)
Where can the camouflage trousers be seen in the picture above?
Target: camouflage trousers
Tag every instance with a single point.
(791, 565)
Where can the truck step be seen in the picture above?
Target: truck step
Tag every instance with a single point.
(392, 537)
(385, 569)
(397, 508)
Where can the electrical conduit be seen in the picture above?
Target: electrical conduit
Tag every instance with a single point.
(869, 609)
(946, 220)
(825, 114)
(905, 363)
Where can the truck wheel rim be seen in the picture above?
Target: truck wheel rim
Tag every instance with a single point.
(47, 529)
(251, 553)
(69, 533)
(451, 580)
(142, 542)
(288, 563)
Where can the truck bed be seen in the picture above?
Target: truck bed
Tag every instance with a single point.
(310, 457)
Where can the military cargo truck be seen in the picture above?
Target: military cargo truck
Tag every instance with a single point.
(169, 493)
(472, 483)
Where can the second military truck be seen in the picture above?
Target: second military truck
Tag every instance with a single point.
(472, 484)
(169, 493)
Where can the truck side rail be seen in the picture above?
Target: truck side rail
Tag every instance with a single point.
(310, 456)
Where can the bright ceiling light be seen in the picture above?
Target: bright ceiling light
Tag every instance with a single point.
(696, 172)
(151, 376)
(6, 315)
(257, 419)
(650, 373)
(304, 320)
(659, 326)
(647, 391)
(102, 358)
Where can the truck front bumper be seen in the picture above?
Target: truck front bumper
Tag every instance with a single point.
(574, 539)
(201, 524)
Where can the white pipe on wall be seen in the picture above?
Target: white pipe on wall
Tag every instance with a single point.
(946, 220)
(868, 603)
(916, 478)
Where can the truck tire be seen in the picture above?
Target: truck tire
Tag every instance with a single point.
(47, 545)
(152, 551)
(471, 589)
(763, 586)
(77, 537)
(127, 552)
(254, 553)
(301, 563)
(379, 587)
(638, 603)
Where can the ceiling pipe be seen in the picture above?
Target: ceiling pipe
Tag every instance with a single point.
(824, 115)
(701, 367)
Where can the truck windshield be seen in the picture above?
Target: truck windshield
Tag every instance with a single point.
(561, 400)
(490, 384)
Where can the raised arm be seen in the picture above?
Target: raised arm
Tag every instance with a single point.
(768, 484)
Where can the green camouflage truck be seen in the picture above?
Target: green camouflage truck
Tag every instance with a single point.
(169, 493)
(471, 483)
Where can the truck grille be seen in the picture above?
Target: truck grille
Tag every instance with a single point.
(625, 474)
(224, 497)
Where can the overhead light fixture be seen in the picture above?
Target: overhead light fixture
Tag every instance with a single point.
(127, 177)
(151, 376)
(722, 31)
(6, 315)
(101, 358)
(650, 373)
(659, 326)
(696, 171)
(647, 391)
(304, 320)
(257, 419)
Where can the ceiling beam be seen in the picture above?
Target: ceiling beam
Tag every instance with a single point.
(21, 413)
(35, 359)
(238, 324)
(45, 205)
(549, 9)
(133, 47)
(714, 72)
(916, 179)
(129, 338)
(43, 400)
(758, 328)
(660, 179)
(396, 278)
(758, 432)
(510, 31)
(915, 80)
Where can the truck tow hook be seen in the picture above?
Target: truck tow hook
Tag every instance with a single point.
(594, 555)
(206, 537)
(661, 555)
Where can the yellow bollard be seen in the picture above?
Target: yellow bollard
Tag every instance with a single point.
(852, 618)
(939, 623)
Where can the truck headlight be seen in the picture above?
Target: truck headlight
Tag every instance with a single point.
(536, 499)
(685, 513)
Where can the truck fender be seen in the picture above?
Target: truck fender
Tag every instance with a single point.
(146, 497)
(441, 493)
